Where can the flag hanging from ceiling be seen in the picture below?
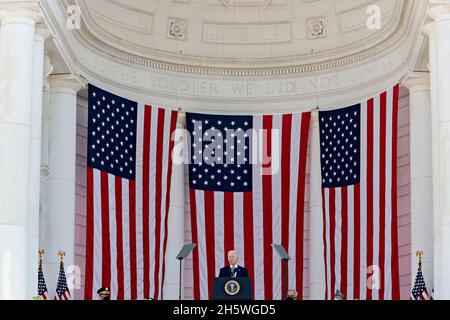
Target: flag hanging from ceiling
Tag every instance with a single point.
(129, 167)
(247, 192)
(359, 198)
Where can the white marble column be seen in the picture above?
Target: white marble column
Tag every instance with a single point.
(48, 69)
(429, 31)
(35, 159)
(58, 231)
(175, 235)
(418, 84)
(17, 33)
(317, 266)
(441, 16)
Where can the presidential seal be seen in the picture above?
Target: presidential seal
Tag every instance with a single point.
(232, 287)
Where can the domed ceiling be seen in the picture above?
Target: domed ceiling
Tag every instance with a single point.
(202, 54)
(240, 33)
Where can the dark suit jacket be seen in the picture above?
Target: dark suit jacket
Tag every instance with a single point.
(241, 272)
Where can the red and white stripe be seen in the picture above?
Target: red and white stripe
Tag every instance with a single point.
(127, 219)
(65, 296)
(360, 221)
(249, 222)
(423, 296)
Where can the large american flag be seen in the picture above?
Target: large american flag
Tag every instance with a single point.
(359, 198)
(42, 286)
(62, 290)
(129, 169)
(247, 191)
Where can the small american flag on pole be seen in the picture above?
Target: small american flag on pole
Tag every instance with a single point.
(62, 290)
(42, 286)
(419, 291)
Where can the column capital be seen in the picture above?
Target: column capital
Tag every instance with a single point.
(429, 30)
(66, 83)
(42, 32)
(417, 81)
(45, 171)
(48, 69)
(440, 12)
(20, 11)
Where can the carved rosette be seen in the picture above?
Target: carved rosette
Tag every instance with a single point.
(177, 29)
(316, 28)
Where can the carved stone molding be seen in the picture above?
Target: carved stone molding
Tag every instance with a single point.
(48, 69)
(133, 52)
(246, 3)
(274, 87)
(66, 83)
(45, 171)
(316, 28)
(239, 33)
(417, 81)
(440, 12)
(25, 9)
(253, 67)
(177, 29)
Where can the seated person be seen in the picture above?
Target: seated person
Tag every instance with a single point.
(104, 293)
(233, 270)
(339, 295)
(291, 294)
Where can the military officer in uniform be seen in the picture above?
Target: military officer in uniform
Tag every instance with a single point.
(104, 293)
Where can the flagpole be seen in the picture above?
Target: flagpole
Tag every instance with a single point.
(41, 254)
(62, 253)
(62, 281)
(419, 254)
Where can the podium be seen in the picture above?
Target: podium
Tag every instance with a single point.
(232, 289)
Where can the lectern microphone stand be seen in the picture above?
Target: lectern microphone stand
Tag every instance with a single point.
(184, 252)
(284, 259)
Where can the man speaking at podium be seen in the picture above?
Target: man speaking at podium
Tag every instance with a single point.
(233, 270)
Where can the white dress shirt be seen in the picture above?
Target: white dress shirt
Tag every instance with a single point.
(233, 270)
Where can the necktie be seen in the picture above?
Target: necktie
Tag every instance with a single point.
(233, 275)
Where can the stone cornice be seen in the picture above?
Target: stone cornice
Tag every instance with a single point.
(440, 12)
(291, 88)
